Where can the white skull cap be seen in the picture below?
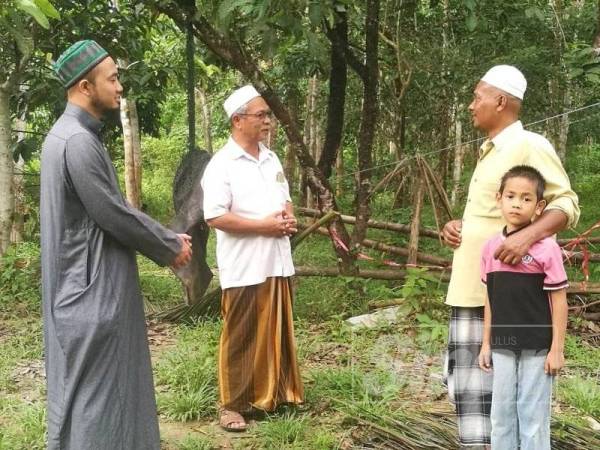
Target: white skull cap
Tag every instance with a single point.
(239, 98)
(507, 78)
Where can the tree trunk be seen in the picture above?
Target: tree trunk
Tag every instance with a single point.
(415, 224)
(206, 118)
(289, 163)
(133, 152)
(310, 130)
(6, 172)
(19, 209)
(596, 41)
(390, 226)
(289, 166)
(190, 84)
(563, 88)
(459, 154)
(564, 122)
(370, 110)
(272, 137)
(339, 174)
(338, 76)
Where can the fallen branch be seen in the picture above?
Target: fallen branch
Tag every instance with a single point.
(390, 226)
(584, 306)
(578, 256)
(577, 240)
(375, 274)
(430, 232)
(431, 259)
(442, 263)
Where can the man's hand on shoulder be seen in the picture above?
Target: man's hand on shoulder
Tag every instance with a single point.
(514, 247)
(185, 254)
(451, 233)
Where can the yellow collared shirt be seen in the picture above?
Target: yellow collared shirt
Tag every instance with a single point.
(482, 218)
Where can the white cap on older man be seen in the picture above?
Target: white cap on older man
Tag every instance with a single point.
(239, 98)
(507, 78)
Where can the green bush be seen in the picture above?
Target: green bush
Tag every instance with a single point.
(161, 156)
(581, 393)
(20, 280)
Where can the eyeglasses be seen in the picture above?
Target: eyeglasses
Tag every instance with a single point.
(262, 115)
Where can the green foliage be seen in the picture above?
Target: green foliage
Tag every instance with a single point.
(580, 354)
(197, 443)
(421, 293)
(160, 287)
(293, 431)
(161, 158)
(22, 343)
(432, 332)
(189, 405)
(419, 283)
(20, 279)
(187, 375)
(40, 10)
(27, 427)
(581, 393)
(287, 432)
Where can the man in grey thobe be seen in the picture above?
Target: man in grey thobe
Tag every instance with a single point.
(100, 388)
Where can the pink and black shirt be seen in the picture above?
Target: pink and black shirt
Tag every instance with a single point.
(518, 294)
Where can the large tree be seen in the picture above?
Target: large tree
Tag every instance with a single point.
(19, 22)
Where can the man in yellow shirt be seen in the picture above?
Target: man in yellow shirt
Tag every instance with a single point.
(495, 110)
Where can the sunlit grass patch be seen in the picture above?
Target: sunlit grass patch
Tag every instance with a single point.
(293, 431)
(198, 443)
(581, 355)
(186, 375)
(186, 405)
(288, 431)
(22, 342)
(581, 393)
(26, 428)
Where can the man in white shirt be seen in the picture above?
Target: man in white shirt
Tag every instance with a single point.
(246, 199)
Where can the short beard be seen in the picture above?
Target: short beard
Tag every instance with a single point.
(110, 114)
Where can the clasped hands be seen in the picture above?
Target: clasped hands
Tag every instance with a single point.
(280, 223)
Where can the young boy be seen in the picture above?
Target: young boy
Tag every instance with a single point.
(525, 318)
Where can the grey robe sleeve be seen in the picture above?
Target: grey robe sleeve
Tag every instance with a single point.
(90, 170)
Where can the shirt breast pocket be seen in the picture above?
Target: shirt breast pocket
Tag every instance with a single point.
(485, 199)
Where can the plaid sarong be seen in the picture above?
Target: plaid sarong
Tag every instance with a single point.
(469, 387)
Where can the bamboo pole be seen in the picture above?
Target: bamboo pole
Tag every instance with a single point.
(296, 240)
(390, 226)
(400, 251)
